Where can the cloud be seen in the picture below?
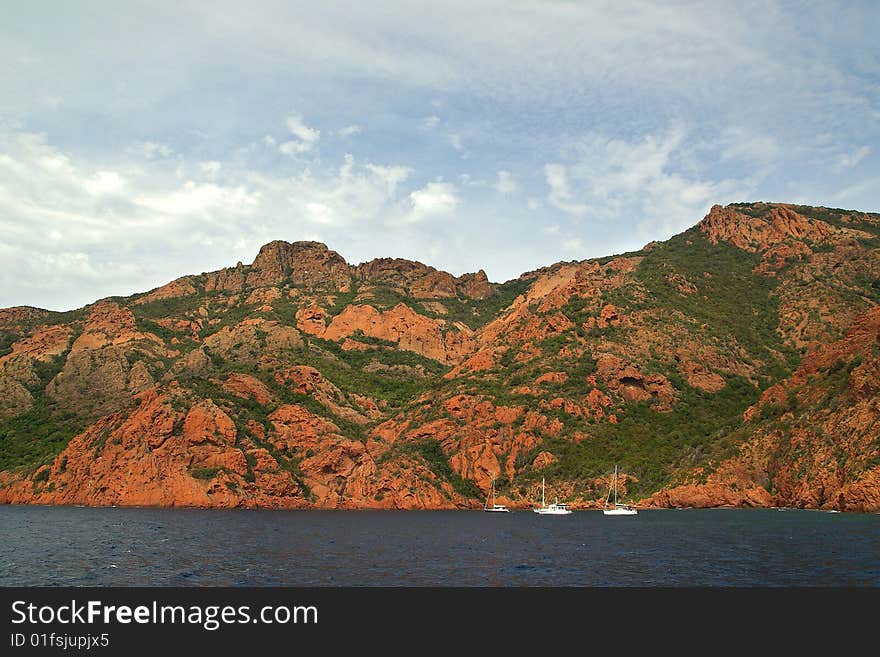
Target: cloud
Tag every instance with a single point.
(195, 198)
(306, 137)
(434, 199)
(150, 149)
(739, 143)
(560, 195)
(646, 179)
(211, 167)
(350, 130)
(295, 147)
(575, 244)
(644, 116)
(74, 232)
(391, 176)
(357, 196)
(299, 129)
(849, 160)
(506, 183)
(104, 182)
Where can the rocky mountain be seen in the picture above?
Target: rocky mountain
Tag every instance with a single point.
(737, 363)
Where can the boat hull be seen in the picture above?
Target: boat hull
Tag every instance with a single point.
(619, 512)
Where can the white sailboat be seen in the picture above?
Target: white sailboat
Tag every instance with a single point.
(617, 509)
(495, 508)
(555, 509)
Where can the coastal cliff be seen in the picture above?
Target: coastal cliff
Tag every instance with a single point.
(736, 364)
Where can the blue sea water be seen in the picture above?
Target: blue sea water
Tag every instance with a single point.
(73, 546)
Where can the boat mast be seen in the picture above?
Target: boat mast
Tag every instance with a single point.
(615, 485)
(542, 493)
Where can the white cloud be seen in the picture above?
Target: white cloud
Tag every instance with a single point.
(431, 122)
(849, 160)
(739, 143)
(306, 137)
(211, 167)
(573, 244)
(299, 129)
(199, 199)
(150, 149)
(455, 141)
(356, 196)
(506, 183)
(647, 180)
(560, 194)
(350, 130)
(104, 182)
(295, 147)
(74, 232)
(434, 199)
(391, 176)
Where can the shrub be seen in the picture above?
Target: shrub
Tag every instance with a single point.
(200, 472)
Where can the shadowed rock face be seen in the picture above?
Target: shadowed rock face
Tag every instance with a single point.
(422, 281)
(304, 263)
(735, 364)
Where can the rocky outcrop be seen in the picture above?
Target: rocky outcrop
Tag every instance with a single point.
(305, 380)
(17, 315)
(251, 338)
(475, 286)
(304, 263)
(248, 387)
(627, 380)
(421, 281)
(181, 287)
(403, 326)
(226, 280)
(154, 456)
(43, 344)
(752, 233)
(105, 365)
(14, 398)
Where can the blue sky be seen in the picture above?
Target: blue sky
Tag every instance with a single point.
(140, 141)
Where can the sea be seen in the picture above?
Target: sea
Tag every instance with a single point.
(79, 546)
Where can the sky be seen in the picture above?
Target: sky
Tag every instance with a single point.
(142, 141)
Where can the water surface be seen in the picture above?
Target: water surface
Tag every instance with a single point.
(72, 546)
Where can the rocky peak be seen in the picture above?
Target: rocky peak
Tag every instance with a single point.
(393, 271)
(476, 286)
(19, 314)
(423, 281)
(305, 263)
(762, 226)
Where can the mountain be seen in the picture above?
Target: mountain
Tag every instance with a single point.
(737, 363)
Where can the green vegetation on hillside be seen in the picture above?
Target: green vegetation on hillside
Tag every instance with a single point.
(473, 313)
(651, 445)
(730, 300)
(37, 435)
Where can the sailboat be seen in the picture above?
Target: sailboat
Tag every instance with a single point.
(495, 508)
(617, 509)
(555, 509)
